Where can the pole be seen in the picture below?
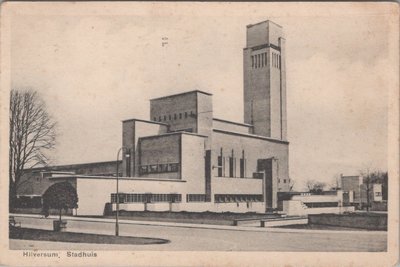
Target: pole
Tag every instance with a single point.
(117, 199)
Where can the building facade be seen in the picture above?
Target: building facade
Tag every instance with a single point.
(183, 158)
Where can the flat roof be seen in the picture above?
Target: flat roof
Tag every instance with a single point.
(232, 122)
(172, 133)
(264, 21)
(147, 121)
(77, 176)
(48, 168)
(184, 93)
(252, 136)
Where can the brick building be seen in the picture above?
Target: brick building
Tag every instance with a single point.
(183, 158)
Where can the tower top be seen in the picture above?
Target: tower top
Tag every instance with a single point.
(264, 32)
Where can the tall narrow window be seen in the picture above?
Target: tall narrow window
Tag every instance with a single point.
(262, 60)
(219, 166)
(279, 61)
(180, 115)
(169, 117)
(273, 59)
(231, 165)
(159, 118)
(242, 162)
(185, 115)
(252, 61)
(165, 117)
(265, 58)
(259, 60)
(175, 116)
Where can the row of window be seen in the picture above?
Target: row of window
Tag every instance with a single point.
(175, 116)
(232, 162)
(230, 198)
(159, 168)
(260, 60)
(146, 198)
(321, 204)
(174, 198)
(276, 60)
(196, 198)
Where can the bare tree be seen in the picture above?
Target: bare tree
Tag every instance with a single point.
(369, 179)
(315, 186)
(32, 134)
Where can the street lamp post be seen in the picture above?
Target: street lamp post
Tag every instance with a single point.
(117, 195)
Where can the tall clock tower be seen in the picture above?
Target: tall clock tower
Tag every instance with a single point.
(265, 80)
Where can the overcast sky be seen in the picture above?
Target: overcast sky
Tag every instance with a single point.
(96, 70)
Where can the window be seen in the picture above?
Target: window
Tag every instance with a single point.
(242, 165)
(154, 119)
(186, 115)
(195, 198)
(169, 117)
(219, 166)
(279, 61)
(241, 168)
(284, 181)
(159, 118)
(259, 60)
(175, 116)
(180, 115)
(231, 161)
(165, 118)
(262, 60)
(252, 61)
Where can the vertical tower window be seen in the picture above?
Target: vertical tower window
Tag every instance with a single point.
(169, 117)
(252, 61)
(180, 115)
(185, 115)
(175, 116)
(259, 60)
(159, 118)
(279, 61)
(265, 58)
(262, 60)
(273, 59)
(165, 117)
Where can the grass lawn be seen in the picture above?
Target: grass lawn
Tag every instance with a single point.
(46, 235)
(225, 218)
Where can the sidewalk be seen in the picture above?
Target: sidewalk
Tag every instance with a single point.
(200, 226)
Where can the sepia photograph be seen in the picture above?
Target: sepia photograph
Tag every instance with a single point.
(156, 130)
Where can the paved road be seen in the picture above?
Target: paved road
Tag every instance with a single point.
(189, 239)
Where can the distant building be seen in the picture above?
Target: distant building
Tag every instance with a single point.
(184, 158)
(356, 187)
